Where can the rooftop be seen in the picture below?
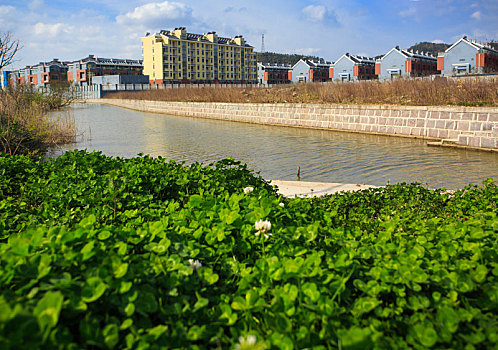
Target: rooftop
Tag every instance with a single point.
(360, 59)
(113, 61)
(202, 37)
(317, 64)
(478, 45)
(275, 65)
(411, 54)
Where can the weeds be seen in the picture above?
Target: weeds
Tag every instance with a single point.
(399, 92)
(25, 125)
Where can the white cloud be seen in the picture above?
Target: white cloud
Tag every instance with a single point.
(35, 4)
(408, 13)
(319, 14)
(156, 15)
(437, 41)
(51, 30)
(314, 13)
(5, 10)
(476, 15)
(7, 13)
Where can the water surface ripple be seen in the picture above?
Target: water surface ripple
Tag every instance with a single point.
(276, 152)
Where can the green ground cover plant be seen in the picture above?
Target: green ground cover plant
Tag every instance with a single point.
(142, 253)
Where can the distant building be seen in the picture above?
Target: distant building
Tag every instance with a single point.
(274, 73)
(25, 76)
(311, 71)
(120, 79)
(41, 74)
(404, 63)
(14, 78)
(78, 72)
(466, 57)
(352, 68)
(82, 71)
(180, 57)
(49, 72)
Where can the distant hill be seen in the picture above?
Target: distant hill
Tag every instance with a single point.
(493, 44)
(281, 58)
(428, 47)
(291, 59)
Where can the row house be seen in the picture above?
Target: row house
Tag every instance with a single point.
(353, 68)
(274, 73)
(310, 71)
(180, 57)
(403, 63)
(81, 72)
(26, 76)
(49, 72)
(41, 74)
(467, 57)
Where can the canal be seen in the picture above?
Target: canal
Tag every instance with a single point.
(277, 152)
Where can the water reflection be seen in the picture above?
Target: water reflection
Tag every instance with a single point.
(277, 152)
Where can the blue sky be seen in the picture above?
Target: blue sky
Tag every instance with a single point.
(70, 30)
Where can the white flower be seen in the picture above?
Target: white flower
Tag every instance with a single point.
(251, 342)
(262, 226)
(282, 205)
(248, 190)
(195, 264)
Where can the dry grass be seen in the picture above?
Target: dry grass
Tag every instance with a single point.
(399, 92)
(26, 126)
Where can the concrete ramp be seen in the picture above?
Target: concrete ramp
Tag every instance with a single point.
(293, 189)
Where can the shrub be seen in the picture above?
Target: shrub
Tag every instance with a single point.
(142, 253)
(25, 126)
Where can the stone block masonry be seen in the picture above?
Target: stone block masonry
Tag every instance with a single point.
(473, 127)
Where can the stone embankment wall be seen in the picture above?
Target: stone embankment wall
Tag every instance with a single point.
(475, 127)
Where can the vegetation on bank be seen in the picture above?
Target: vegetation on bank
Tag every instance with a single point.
(431, 48)
(283, 58)
(25, 124)
(397, 92)
(100, 252)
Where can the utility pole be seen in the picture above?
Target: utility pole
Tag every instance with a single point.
(262, 43)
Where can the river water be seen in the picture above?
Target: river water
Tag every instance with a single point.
(277, 152)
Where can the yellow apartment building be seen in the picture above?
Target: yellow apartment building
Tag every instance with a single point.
(180, 57)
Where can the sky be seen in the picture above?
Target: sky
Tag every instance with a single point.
(70, 30)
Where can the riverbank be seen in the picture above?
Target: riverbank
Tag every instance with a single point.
(470, 127)
(406, 92)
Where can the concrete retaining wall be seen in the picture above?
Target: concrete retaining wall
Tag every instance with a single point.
(475, 127)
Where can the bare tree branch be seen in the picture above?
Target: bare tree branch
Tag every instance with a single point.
(8, 49)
